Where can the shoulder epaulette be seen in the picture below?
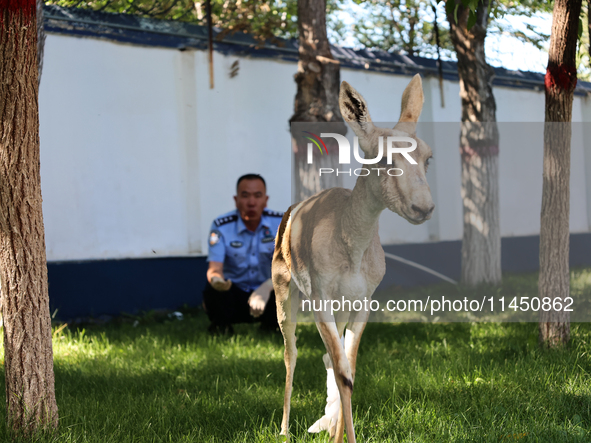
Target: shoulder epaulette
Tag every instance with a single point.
(225, 220)
(273, 213)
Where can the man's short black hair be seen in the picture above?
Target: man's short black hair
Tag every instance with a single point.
(251, 177)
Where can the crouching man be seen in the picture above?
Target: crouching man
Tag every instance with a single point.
(241, 244)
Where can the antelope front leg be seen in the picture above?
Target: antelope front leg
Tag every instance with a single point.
(342, 371)
(355, 329)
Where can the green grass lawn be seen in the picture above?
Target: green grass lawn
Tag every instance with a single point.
(416, 382)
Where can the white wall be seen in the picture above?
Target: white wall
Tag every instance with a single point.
(112, 171)
(138, 155)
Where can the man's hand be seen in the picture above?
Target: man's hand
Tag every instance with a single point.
(259, 298)
(215, 276)
(219, 284)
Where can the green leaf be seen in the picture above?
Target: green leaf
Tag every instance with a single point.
(580, 27)
(471, 19)
(450, 6)
(466, 3)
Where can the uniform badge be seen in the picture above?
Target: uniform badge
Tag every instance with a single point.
(236, 244)
(267, 236)
(214, 237)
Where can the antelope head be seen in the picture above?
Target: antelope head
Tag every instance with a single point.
(407, 194)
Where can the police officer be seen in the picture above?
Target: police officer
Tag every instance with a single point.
(241, 244)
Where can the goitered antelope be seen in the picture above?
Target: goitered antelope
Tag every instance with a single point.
(329, 246)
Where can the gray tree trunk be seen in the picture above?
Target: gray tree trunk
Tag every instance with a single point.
(560, 82)
(479, 147)
(28, 355)
(317, 99)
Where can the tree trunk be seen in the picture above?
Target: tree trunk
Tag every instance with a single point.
(589, 28)
(28, 355)
(40, 38)
(316, 101)
(479, 147)
(560, 83)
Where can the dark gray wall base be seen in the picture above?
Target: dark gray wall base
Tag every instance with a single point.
(518, 254)
(93, 288)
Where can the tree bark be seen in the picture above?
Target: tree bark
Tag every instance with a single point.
(40, 38)
(560, 83)
(589, 28)
(317, 99)
(479, 147)
(28, 352)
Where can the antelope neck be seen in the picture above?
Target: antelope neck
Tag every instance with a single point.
(360, 220)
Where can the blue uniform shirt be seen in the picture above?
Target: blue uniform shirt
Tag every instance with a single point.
(246, 255)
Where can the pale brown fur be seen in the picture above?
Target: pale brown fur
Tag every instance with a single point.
(328, 246)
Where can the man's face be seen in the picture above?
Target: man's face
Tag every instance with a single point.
(251, 199)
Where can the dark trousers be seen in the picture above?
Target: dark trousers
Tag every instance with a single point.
(228, 307)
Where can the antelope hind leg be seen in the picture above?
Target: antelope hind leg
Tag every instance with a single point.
(287, 305)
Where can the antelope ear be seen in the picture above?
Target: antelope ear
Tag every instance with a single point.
(412, 105)
(354, 109)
